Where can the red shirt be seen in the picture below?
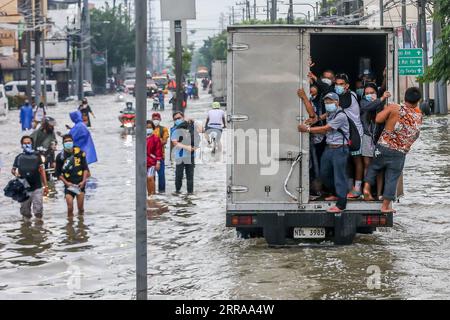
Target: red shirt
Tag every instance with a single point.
(154, 150)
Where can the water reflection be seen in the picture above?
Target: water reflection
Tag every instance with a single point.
(76, 233)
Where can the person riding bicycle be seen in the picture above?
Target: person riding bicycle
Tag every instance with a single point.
(215, 123)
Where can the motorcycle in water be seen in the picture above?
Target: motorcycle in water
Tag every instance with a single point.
(127, 118)
(48, 158)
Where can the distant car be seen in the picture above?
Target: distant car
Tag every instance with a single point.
(129, 85)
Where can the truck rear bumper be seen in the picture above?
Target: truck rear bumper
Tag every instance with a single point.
(279, 226)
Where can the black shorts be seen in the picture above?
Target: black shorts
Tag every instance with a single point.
(70, 193)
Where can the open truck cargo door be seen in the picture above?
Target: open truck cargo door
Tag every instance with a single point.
(264, 114)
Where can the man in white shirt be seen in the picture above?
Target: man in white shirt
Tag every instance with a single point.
(215, 122)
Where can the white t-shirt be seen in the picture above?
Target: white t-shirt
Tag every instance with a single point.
(39, 114)
(215, 118)
(354, 113)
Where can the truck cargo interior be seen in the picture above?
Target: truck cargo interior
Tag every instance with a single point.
(351, 54)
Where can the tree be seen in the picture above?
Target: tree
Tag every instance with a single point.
(214, 48)
(440, 69)
(111, 30)
(187, 59)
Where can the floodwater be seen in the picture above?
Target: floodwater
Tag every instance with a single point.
(192, 255)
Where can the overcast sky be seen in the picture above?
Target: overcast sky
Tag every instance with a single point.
(209, 12)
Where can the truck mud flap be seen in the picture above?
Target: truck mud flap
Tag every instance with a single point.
(344, 228)
(275, 235)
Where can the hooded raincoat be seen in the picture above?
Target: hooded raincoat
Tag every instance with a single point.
(82, 137)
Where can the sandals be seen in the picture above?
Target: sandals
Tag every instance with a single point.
(334, 210)
(331, 198)
(354, 194)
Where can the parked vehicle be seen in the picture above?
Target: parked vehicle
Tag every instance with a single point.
(276, 203)
(4, 107)
(129, 85)
(202, 72)
(87, 89)
(219, 81)
(16, 88)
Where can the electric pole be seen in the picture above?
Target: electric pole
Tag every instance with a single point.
(86, 27)
(273, 17)
(381, 13)
(141, 154)
(254, 9)
(178, 65)
(290, 18)
(423, 44)
(80, 50)
(440, 86)
(37, 51)
(29, 25)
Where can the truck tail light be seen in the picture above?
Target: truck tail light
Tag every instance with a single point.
(241, 220)
(376, 220)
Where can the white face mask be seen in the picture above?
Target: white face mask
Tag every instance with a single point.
(327, 81)
(156, 123)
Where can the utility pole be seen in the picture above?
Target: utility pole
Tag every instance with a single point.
(150, 37)
(290, 18)
(232, 14)
(37, 51)
(44, 63)
(141, 156)
(268, 10)
(178, 64)
(247, 5)
(324, 8)
(440, 87)
(254, 9)
(80, 54)
(381, 13)
(86, 44)
(404, 23)
(274, 11)
(29, 25)
(423, 44)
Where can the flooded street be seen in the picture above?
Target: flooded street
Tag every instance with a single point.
(192, 255)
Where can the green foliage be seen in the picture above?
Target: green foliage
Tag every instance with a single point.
(117, 36)
(214, 48)
(187, 59)
(440, 69)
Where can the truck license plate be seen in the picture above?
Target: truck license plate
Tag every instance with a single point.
(309, 233)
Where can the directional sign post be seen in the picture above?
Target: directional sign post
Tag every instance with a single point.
(410, 62)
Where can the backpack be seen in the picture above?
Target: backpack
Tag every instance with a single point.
(28, 164)
(354, 142)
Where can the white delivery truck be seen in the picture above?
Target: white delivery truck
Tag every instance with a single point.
(219, 81)
(268, 185)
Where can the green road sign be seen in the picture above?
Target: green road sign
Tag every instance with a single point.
(410, 62)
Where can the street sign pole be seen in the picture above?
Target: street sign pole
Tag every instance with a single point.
(141, 156)
(178, 65)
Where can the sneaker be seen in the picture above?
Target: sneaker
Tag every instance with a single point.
(354, 194)
(334, 210)
(331, 198)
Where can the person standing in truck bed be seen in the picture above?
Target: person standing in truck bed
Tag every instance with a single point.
(333, 167)
(402, 129)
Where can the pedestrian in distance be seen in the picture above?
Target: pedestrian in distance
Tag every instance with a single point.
(333, 166)
(26, 116)
(154, 156)
(185, 140)
(39, 113)
(163, 134)
(402, 129)
(29, 166)
(86, 111)
(73, 170)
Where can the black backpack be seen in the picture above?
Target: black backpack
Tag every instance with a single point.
(28, 164)
(354, 142)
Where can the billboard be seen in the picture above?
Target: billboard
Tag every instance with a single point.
(172, 10)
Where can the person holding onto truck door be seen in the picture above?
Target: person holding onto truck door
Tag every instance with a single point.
(349, 103)
(333, 167)
(317, 141)
(402, 129)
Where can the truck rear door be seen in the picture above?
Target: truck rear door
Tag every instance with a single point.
(265, 68)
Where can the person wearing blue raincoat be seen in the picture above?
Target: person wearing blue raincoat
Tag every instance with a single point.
(82, 137)
(26, 116)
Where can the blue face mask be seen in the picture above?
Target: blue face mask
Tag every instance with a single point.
(27, 148)
(68, 145)
(178, 122)
(360, 92)
(339, 90)
(368, 97)
(149, 132)
(330, 107)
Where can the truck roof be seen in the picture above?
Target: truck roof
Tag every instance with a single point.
(312, 26)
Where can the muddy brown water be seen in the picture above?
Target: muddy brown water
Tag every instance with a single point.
(192, 255)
